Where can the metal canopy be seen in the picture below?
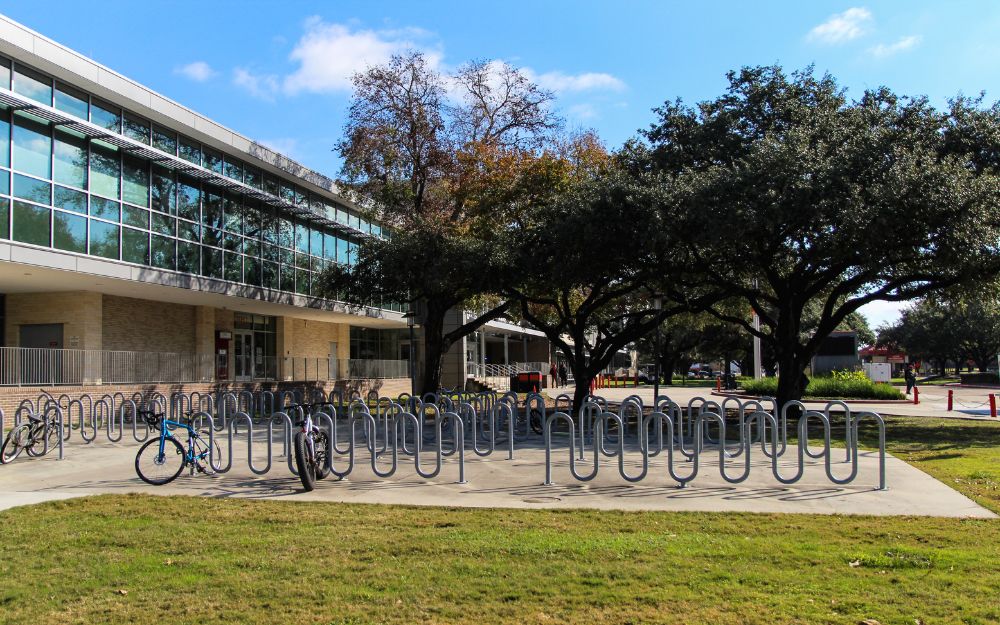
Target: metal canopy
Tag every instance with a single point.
(18, 102)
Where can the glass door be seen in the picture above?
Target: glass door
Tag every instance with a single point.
(243, 356)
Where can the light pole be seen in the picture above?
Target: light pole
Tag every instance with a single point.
(410, 322)
(657, 306)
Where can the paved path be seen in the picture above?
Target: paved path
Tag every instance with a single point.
(498, 483)
(969, 403)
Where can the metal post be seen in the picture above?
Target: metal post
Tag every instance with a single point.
(658, 305)
(413, 380)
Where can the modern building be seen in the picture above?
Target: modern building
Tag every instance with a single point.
(142, 243)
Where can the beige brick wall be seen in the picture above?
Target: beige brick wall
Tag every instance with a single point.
(78, 311)
(312, 338)
(145, 326)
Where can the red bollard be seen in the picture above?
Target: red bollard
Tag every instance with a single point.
(718, 385)
(993, 406)
(637, 380)
(916, 395)
(951, 398)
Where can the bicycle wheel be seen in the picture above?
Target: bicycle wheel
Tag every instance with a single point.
(322, 443)
(305, 462)
(37, 445)
(201, 447)
(158, 469)
(537, 421)
(17, 439)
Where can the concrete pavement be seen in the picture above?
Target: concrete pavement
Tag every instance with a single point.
(499, 483)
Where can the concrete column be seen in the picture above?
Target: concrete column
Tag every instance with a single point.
(506, 349)
(284, 347)
(204, 342)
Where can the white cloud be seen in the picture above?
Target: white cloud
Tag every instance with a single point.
(880, 313)
(198, 71)
(559, 82)
(329, 54)
(883, 50)
(263, 86)
(582, 112)
(842, 27)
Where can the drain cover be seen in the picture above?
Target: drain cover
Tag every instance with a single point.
(541, 499)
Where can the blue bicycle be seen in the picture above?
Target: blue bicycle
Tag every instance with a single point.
(163, 458)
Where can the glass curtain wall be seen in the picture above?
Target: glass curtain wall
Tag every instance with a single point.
(61, 190)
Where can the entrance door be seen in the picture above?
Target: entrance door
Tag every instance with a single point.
(40, 365)
(242, 356)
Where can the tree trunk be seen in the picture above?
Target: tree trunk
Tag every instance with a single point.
(667, 366)
(434, 350)
(791, 379)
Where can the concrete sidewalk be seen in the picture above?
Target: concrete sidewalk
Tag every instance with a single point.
(968, 403)
(498, 483)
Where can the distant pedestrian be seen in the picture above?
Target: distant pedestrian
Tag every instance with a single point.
(911, 379)
(562, 374)
(553, 372)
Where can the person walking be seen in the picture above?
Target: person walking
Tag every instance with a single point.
(562, 374)
(911, 379)
(553, 372)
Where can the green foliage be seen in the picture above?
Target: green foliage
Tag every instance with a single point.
(845, 385)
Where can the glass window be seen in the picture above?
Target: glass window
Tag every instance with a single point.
(69, 100)
(251, 271)
(288, 278)
(287, 192)
(5, 73)
(302, 238)
(302, 261)
(136, 128)
(103, 239)
(188, 257)
(286, 233)
(316, 242)
(105, 209)
(234, 169)
(135, 181)
(135, 246)
(233, 243)
(4, 215)
(31, 84)
(106, 116)
(188, 230)
(4, 182)
(342, 255)
(32, 189)
(211, 210)
(71, 200)
(269, 275)
(211, 262)
(234, 213)
(213, 160)
(188, 199)
(164, 224)
(135, 216)
(189, 151)
(105, 170)
(31, 224)
(251, 247)
(70, 164)
(301, 197)
(164, 189)
(162, 253)
(211, 236)
(32, 147)
(252, 177)
(69, 232)
(4, 138)
(164, 139)
(329, 247)
(270, 184)
(302, 279)
(234, 267)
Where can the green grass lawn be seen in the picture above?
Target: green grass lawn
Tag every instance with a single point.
(184, 560)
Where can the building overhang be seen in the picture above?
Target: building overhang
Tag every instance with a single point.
(27, 269)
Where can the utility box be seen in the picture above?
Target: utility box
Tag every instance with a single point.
(526, 382)
(878, 371)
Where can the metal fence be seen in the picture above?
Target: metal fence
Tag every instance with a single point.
(30, 366)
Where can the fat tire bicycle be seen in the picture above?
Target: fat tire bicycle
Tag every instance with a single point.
(163, 458)
(312, 450)
(37, 436)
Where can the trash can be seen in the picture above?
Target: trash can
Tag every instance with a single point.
(526, 382)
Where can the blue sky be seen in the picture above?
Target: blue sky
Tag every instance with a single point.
(279, 72)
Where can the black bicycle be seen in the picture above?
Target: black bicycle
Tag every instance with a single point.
(36, 436)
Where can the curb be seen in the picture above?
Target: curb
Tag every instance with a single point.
(814, 400)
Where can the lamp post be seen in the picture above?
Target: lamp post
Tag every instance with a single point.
(410, 323)
(657, 306)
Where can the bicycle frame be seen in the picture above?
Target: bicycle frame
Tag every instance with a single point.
(190, 457)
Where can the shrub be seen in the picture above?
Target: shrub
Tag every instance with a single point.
(841, 384)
